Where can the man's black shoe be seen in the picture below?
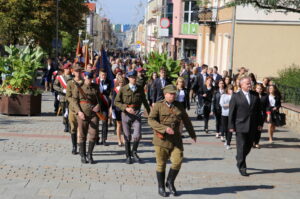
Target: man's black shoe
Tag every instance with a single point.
(243, 172)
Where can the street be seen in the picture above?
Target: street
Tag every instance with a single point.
(36, 162)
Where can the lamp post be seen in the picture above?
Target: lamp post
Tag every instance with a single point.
(56, 40)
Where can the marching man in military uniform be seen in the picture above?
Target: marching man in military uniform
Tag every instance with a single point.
(129, 99)
(86, 104)
(165, 119)
(60, 85)
(71, 88)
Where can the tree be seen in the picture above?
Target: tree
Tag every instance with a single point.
(22, 21)
(271, 5)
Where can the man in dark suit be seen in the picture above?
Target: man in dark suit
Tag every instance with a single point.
(244, 119)
(216, 76)
(185, 73)
(198, 86)
(105, 88)
(159, 84)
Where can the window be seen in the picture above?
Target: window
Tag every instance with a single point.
(190, 11)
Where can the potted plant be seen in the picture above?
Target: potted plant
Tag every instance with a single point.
(18, 95)
(155, 61)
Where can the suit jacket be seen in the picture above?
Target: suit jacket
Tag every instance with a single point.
(199, 83)
(218, 78)
(216, 102)
(187, 79)
(277, 103)
(158, 93)
(244, 118)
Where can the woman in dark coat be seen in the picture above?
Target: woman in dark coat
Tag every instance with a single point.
(264, 104)
(274, 98)
(207, 94)
(217, 109)
(150, 87)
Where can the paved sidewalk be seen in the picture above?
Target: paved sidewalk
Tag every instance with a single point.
(36, 162)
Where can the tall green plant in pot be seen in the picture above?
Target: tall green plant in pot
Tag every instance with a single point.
(156, 61)
(20, 70)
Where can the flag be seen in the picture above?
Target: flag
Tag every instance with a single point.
(104, 64)
(78, 51)
(86, 56)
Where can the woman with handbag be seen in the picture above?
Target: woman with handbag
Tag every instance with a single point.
(273, 109)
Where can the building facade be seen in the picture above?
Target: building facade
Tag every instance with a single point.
(246, 36)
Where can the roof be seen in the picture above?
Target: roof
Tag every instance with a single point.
(91, 6)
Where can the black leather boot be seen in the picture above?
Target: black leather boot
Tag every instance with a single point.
(82, 152)
(128, 153)
(104, 133)
(74, 143)
(170, 181)
(66, 127)
(90, 153)
(134, 152)
(161, 183)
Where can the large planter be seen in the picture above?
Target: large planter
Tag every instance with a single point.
(20, 105)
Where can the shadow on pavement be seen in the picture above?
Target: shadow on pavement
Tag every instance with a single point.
(264, 171)
(275, 146)
(3, 140)
(224, 190)
(200, 159)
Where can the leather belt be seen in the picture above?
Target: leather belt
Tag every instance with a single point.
(132, 106)
(86, 102)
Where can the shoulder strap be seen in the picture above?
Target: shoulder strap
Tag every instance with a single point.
(80, 90)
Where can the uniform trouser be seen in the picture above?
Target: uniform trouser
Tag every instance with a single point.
(56, 102)
(163, 155)
(206, 112)
(64, 107)
(244, 142)
(104, 129)
(218, 122)
(86, 127)
(73, 122)
(130, 121)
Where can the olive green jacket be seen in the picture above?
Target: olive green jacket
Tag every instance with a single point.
(59, 88)
(71, 89)
(127, 97)
(162, 116)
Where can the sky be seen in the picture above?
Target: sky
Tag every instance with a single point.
(122, 11)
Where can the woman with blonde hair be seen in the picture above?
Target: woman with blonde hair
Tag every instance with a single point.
(182, 97)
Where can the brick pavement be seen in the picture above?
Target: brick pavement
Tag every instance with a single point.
(36, 163)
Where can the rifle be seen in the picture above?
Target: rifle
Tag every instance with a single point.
(99, 114)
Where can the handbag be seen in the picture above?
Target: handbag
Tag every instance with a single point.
(280, 119)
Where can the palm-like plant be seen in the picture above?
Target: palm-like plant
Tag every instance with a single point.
(156, 61)
(20, 70)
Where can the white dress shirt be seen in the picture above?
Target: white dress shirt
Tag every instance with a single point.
(247, 95)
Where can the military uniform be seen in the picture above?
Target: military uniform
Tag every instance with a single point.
(162, 116)
(90, 125)
(71, 88)
(60, 85)
(127, 98)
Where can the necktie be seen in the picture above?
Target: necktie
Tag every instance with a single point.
(248, 98)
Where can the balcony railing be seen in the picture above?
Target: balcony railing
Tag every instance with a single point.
(208, 15)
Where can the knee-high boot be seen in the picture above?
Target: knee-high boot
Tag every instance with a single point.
(134, 152)
(128, 153)
(90, 152)
(82, 151)
(161, 183)
(170, 181)
(74, 143)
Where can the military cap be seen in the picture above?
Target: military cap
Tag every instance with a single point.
(67, 66)
(140, 69)
(76, 67)
(132, 73)
(89, 73)
(170, 89)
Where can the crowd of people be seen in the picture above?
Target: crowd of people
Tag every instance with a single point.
(88, 96)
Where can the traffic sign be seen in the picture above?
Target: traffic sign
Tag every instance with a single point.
(165, 23)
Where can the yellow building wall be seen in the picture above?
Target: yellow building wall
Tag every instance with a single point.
(265, 49)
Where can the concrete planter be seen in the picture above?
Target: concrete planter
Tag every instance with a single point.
(20, 105)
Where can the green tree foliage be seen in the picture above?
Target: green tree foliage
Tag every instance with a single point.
(24, 20)
(156, 61)
(290, 76)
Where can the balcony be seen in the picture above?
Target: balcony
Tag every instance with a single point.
(208, 15)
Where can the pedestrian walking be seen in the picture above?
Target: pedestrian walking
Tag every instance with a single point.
(244, 119)
(207, 95)
(71, 88)
(159, 84)
(264, 104)
(87, 104)
(129, 99)
(274, 97)
(165, 119)
(199, 86)
(217, 109)
(150, 86)
(60, 85)
(224, 103)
